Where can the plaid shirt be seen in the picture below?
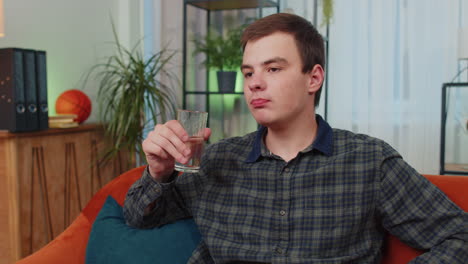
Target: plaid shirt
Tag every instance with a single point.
(330, 204)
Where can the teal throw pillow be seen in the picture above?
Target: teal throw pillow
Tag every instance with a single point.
(112, 241)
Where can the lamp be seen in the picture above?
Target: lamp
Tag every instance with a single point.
(2, 24)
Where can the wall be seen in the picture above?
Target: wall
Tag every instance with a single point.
(75, 34)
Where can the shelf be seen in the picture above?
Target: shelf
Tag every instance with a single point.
(453, 140)
(214, 5)
(51, 131)
(456, 167)
(200, 92)
(228, 111)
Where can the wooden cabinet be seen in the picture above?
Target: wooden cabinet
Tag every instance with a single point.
(46, 178)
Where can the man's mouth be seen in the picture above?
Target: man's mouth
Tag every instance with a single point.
(257, 103)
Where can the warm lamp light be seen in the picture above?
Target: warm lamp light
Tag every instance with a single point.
(2, 24)
(463, 43)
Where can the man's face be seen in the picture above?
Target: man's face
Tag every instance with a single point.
(275, 89)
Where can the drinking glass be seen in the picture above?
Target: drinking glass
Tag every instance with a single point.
(194, 123)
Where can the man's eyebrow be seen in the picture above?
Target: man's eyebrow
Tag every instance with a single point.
(269, 61)
(246, 66)
(275, 60)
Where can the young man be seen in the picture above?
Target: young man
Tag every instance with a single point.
(295, 191)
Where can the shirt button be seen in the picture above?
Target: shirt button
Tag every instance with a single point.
(279, 250)
(286, 170)
(282, 213)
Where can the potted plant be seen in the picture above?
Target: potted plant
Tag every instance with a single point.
(327, 11)
(131, 95)
(223, 53)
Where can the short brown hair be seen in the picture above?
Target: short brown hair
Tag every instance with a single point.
(308, 41)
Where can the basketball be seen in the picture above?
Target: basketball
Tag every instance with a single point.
(74, 102)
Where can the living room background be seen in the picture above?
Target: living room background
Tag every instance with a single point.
(387, 59)
(387, 63)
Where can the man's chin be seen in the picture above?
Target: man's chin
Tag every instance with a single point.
(262, 117)
(263, 122)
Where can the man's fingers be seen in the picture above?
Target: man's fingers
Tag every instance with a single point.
(167, 141)
(207, 133)
(175, 134)
(177, 129)
(168, 146)
(164, 145)
(153, 149)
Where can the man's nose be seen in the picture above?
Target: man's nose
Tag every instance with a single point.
(256, 82)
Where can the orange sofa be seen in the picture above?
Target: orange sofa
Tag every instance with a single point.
(70, 246)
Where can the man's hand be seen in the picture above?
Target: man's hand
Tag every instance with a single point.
(165, 145)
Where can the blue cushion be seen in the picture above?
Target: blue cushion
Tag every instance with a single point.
(112, 241)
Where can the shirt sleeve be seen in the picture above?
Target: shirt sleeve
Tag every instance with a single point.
(149, 203)
(421, 215)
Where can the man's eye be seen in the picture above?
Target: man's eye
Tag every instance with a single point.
(274, 69)
(247, 74)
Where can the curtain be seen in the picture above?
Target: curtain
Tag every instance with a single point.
(387, 63)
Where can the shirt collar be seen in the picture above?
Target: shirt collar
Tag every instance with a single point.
(323, 141)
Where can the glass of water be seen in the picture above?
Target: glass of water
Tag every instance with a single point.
(194, 123)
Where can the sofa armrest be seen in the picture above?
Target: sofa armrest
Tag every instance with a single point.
(395, 251)
(68, 247)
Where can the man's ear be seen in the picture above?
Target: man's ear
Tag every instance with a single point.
(317, 75)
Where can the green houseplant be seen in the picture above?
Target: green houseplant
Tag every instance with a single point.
(223, 53)
(131, 95)
(327, 11)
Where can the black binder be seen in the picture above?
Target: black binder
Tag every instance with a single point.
(30, 89)
(41, 82)
(12, 98)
